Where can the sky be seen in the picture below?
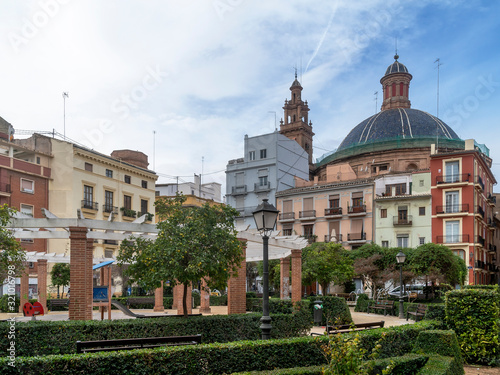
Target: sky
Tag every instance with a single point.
(185, 81)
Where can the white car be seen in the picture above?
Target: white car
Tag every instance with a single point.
(418, 289)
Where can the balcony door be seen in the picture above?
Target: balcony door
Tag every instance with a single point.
(452, 171)
(452, 201)
(452, 231)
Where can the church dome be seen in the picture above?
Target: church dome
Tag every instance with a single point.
(397, 124)
(396, 67)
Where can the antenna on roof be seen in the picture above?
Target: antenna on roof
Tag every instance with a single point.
(65, 95)
(396, 45)
(438, 61)
(376, 100)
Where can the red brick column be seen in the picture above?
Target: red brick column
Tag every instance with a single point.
(296, 275)
(42, 283)
(179, 294)
(174, 296)
(89, 276)
(80, 307)
(236, 288)
(285, 278)
(204, 298)
(159, 299)
(25, 287)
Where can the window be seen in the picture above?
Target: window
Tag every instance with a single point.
(421, 211)
(452, 231)
(403, 215)
(144, 206)
(38, 159)
(108, 253)
(144, 184)
(451, 200)
(89, 167)
(421, 240)
(383, 213)
(421, 182)
(385, 244)
(334, 201)
(88, 197)
(108, 201)
(451, 170)
(127, 179)
(287, 232)
(263, 181)
(127, 202)
(357, 202)
(382, 168)
(403, 240)
(309, 232)
(399, 189)
(26, 209)
(109, 173)
(263, 154)
(251, 155)
(27, 186)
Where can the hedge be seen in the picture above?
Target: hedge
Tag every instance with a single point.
(216, 358)
(440, 365)
(276, 305)
(59, 337)
(310, 370)
(361, 303)
(334, 308)
(443, 343)
(473, 315)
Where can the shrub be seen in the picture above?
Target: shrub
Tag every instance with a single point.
(334, 308)
(407, 364)
(473, 314)
(361, 303)
(435, 312)
(59, 337)
(444, 343)
(218, 300)
(4, 305)
(439, 365)
(311, 370)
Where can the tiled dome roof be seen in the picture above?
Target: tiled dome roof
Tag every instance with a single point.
(401, 123)
(396, 67)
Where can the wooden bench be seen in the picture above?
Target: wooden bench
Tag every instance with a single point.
(58, 302)
(418, 313)
(140, 343)
(382, 305)
(344, 328)
(141, 300)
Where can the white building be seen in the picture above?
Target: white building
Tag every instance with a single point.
(209, 190)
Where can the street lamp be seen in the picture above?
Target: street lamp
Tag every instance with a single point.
(265, 219)
(400, 258)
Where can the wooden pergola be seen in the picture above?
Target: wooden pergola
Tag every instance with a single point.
(83, 232)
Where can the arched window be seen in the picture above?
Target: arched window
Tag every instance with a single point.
(412, 167)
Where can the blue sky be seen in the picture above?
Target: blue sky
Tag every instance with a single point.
(202, 74)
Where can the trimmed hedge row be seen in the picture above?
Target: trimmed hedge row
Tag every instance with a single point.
(442, 343)
(473, 315)
(335, 309)
(59, 337)
(213, 358)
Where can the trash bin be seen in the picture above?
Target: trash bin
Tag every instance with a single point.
(318, 312)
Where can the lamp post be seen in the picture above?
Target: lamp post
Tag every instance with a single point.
(400, 258)
(265, 219)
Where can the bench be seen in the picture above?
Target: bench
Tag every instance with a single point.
(344, 328)
(58, 302)
(382, 305)
(140, 343)
(140, 300)
(418, 313)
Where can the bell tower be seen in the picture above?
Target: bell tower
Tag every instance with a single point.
(295, 125)
(396, 86)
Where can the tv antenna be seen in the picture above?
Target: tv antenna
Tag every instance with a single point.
(65, 95)
(438, 61)
(376, 100)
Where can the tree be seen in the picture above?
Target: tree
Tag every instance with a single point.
(60, 276)
(438, 264)
(12, 255)
(326, 263)
(193, 243)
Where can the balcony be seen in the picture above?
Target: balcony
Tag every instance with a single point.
(479, 264)
(311, 238)
(127, 212)
(491, 223)
(333, 211)
(311, 214)
(111, 242)
(356, 210)
(335, 239)
(356, 237)
(479, 240)
(5, 188)
(452, 238)
(149, 215)
(265, 187)
(89, 205)
(453, 179)
(479, 183)
(480, 211)
(452, 209)
(492, 248)
(492, 199)
(399, 221)
(239, 190)
(287, 216)
(109, 209)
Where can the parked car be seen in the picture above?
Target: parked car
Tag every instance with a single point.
(409, 289)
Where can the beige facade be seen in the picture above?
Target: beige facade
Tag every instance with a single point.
(334, 212)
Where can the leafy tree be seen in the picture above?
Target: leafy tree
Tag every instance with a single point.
(60, 276)
(12, 255)
(274, 273)
(326, 263)
(193, 243)
(438, 264)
